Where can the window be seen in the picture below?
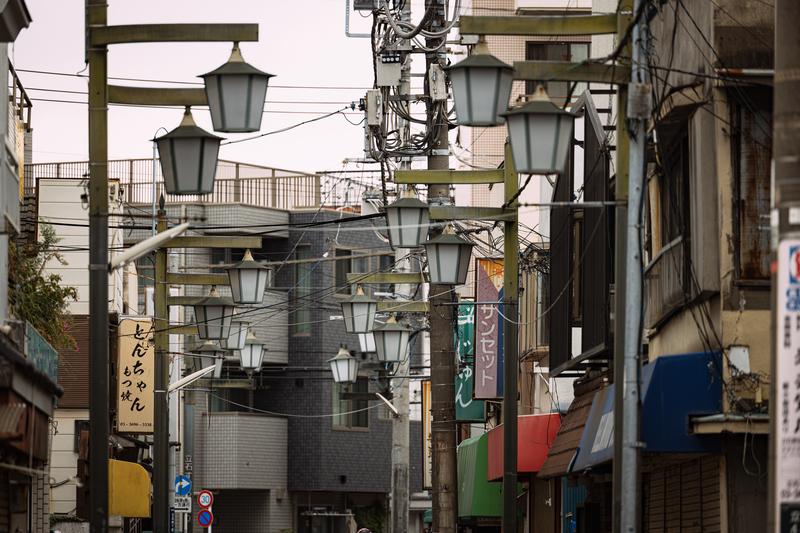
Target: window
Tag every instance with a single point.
(752, 154)
(350, 413)
(556, 51)
(342, 268)
(386, 264)
(301, 303)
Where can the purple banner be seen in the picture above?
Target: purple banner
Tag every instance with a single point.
(488, 329)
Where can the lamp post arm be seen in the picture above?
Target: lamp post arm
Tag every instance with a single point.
(146, 246)
(191, 378)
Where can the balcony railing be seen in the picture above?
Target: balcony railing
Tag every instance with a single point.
(665, 282)
(242, 183)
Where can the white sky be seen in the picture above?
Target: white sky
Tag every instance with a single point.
(302, 42)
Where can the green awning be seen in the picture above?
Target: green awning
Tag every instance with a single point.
(427, 516)
(477, 497)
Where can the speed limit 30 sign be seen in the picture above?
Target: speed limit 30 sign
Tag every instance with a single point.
(205, 498)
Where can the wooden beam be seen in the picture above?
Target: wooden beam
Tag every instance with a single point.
(567, 71)
(539, 25)
(197, 279)
(455, 177)
(390, 306)
(230, 383)
(237, 241)
(156, 96)
(184, 300)
(154, 33)
(386, 277)
(471, 213)
(182, 330)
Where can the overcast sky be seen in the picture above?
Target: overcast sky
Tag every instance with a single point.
(302, 42)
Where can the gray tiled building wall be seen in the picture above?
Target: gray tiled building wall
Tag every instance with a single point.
(242, 451)
(324, 458)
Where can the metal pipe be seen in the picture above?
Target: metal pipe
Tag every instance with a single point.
(96, 19)
(146, 246)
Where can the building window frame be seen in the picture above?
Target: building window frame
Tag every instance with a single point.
(301, 313)
(344, 419)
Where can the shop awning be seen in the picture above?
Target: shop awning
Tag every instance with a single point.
(675, 388)
(565, 446)
(477, 497)
(535, 434)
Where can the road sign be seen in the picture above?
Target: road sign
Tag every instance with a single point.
(183, 504)
(205, 499)
(183, 485)
(205, 518)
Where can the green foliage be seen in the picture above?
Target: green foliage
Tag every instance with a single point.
(39, 297)
(372, 517)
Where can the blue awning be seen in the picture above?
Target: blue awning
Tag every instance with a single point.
(674, 388)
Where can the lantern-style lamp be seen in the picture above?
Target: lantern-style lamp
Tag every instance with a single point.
(188, 156)
(237, 336)
(359, 312)
(366, 342)
(252, 355)
(344, 366)
(248, 280)
(213, 316)
(448, 258)
(541, 135)
(408, 221)
(481, 88)
(212, 354)
(391, 341)
(236, 93)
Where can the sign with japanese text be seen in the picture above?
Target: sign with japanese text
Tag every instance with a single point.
(787, 423)
(468, 409)
(427, 436)
(135, 375)
(488, 329)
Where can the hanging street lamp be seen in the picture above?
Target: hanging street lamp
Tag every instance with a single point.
(188, 156)
(366, 342)
(213, 316)
(252, 355)
(391, 341)
(344, 366)
(237, 336)
(359, 312)
(211, 354)
(448, 258)
(481, 88)
(407, 221)
(541, 135)
(236, 92)
(248, 279)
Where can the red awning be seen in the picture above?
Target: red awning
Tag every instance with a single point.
(535, 435)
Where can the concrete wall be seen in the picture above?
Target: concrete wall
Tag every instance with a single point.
(63, 460)
(59, 202)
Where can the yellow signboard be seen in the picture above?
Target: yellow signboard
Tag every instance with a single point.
(427, 436)
(135, 375)
(128, 489)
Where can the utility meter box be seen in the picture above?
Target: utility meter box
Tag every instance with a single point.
(389, 68)
(374, 107)
(436, 83)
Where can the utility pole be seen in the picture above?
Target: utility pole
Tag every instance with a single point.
(161, 396)
(97, 55)
(442, 320)
(784, 461)
(636, 124)
(620, 264)
(400, 388)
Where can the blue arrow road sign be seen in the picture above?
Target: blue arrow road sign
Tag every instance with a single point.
(183, 485)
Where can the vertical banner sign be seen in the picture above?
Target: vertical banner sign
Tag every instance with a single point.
(787, 422)
(468, 409)
(488, 329)
(427, 436)
(135, 375)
